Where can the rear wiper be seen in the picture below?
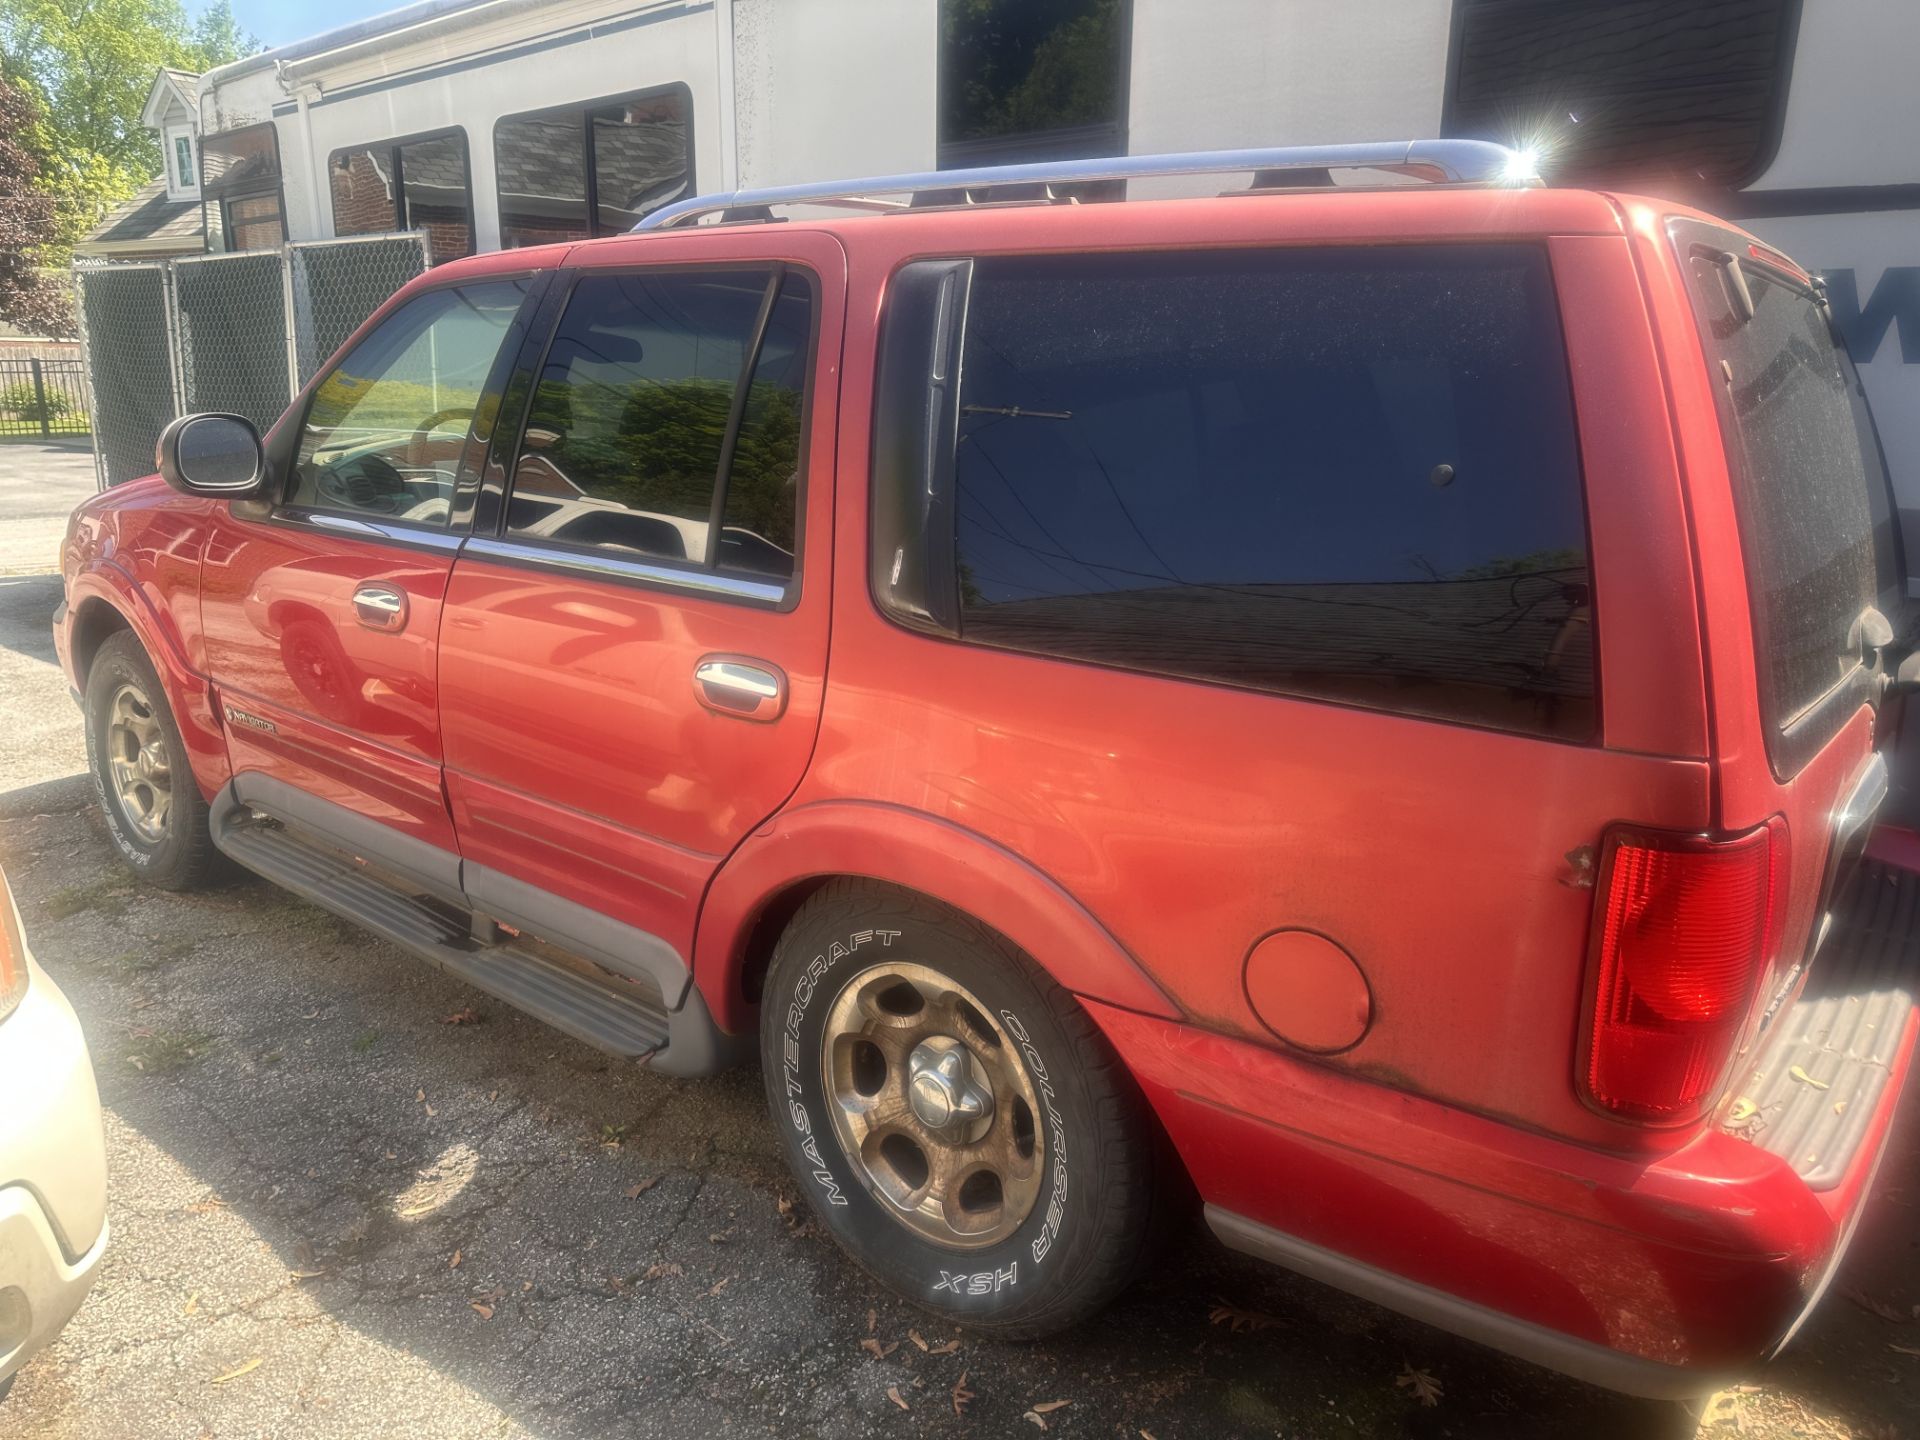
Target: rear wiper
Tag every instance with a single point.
(1016, 412)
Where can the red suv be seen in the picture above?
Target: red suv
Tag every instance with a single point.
(1364, 700)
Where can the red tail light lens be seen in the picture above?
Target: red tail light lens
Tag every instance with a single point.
(1684, 931)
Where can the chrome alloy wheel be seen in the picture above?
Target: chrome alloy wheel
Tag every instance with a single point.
(933, 1105)
(139, 764)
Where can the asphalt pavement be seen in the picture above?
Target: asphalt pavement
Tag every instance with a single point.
(352, 1197)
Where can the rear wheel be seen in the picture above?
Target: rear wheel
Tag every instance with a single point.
(152, 803)
(958, 1122)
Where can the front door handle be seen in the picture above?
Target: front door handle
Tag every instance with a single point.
(380, 607)
(740, 686)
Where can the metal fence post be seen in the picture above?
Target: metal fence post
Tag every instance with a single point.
(40, 394)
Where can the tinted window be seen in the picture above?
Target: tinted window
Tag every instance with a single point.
(1815, 547)
(1340, 473)
(384, 433)
(414, 185)
(240, 188)
(629, 419)
(594, 169)
(1625, 90)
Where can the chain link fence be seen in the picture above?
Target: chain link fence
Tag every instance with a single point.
(239, 333)
(335, 284)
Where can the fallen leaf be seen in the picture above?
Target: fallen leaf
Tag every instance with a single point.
(238, 1371)
(718, 1286)
(1425, 1388)
(1800, 1074)
(1741, 1111)
(431, 1112)
(961, 1394)
(874, 1348)
(388, 1155)
(946, 1349)
(311, 1015)
(893, 1394)
(423, 1207)
(1236, 1319)
(1035, 1417)
(454, 1262)
(1146, 1434)
(467, 1016)
(1877, 1307)
(493, 1095)
(873, 1317)
(634, 1192)
(1839, 1107)
(784, 1204)
(306, 1274)
(484, 1311)
(663, 1268)
(1049, 1406)
(192, 1307)
(914, 1335)
(420, 1096)
(719, 1237)
(1903, 1349)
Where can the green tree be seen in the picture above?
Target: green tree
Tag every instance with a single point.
(89, 65)
(29, 298)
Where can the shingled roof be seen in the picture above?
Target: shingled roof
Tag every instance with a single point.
(148, 224)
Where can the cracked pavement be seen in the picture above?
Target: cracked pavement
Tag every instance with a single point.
(336, 1214)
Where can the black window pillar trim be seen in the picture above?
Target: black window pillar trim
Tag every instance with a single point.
(913, 570)
(737, 413)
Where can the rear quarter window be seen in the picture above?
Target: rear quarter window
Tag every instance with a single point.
(1815, 516)
(1345, 474)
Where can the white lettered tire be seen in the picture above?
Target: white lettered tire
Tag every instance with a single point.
(956, 1119)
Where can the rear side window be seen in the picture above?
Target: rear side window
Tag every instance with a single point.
(1347, 474)
(668, 401)
(1815, 517)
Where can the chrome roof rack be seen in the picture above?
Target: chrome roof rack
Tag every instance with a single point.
(1443, 162)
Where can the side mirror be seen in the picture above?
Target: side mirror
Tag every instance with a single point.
(211, 455)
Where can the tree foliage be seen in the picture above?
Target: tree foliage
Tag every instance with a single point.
(29, 298)
(89, 65)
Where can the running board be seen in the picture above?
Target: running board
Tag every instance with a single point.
(621, 1015)
(1827, 1059)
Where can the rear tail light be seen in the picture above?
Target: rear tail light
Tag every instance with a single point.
(1684, 931)
(13, 954)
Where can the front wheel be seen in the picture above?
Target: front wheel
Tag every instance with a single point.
(152, 803)
(959, 1123)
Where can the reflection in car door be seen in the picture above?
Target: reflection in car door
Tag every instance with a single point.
(322, 614)
(632, 661)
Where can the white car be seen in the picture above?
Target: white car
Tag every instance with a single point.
(53, 1155)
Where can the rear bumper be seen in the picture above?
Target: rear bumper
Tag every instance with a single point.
(1652, 1275)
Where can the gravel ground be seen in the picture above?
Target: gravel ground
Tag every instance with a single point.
(338, 1212)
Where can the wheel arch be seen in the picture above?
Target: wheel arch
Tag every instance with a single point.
(766, 880)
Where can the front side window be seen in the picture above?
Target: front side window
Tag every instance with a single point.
(1348, 474)
(1032, 80)
(384, 433)
(240, 188)
(592, 169)
(406, 185)
(631, 416)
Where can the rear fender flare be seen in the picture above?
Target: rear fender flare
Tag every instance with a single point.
(189, 693)
(918, 852)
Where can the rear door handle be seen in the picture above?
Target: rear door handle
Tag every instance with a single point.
(737, 685)
(380, 607)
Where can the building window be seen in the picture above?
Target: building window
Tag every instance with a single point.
(1032, 80)
(592, 169)
(1343, 474)
(1641, 92)
(416, 184)
(183, 168)
(240, 189)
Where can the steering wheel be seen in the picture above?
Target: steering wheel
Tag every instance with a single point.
(365, 482)
(417, 446)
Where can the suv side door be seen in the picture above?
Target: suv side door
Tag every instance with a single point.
(635, 640)
(322, 609)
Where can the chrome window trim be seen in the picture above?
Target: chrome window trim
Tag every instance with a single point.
(360, 528)
(714, 584)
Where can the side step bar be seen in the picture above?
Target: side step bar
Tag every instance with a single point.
(622, 1014)
(1826, 1060)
